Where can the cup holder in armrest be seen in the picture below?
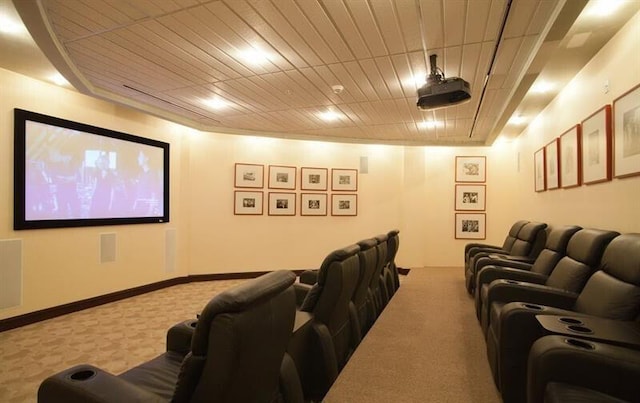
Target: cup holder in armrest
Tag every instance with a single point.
(511, 282)
(533, 306)
(193, 323)
(580, 344)
(83, 375)
(570, 321)
(579, 329)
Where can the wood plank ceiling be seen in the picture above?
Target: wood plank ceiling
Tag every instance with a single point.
(170, 56)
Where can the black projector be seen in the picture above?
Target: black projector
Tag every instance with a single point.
(443, 92)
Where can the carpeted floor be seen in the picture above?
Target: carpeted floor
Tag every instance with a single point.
(452, 365)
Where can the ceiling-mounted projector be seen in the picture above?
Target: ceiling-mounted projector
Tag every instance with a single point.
(439, 92)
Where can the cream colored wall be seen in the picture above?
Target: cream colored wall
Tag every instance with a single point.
(610, 205)
(62, 265)
(409, 188)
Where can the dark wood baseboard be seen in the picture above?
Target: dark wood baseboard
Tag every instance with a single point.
(49, 313)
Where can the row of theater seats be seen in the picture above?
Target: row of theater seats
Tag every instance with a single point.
(271, 339)
(560, 310)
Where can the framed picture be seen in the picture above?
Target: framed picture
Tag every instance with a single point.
(282, 203)
(249, 176)
(344, 204)
(471, 169)
(470, 226)
(344, 180)
(552, 164)
(596, 147)
(313, 178)
(571, 166)
(539, 172)
(313, 204)
(626, 137)
(470, 197)
(282, 177)
(247, 203)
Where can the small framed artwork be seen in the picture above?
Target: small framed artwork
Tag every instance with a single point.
(344, 180)
(313, 204)
(596, 147)
(313, 178)
(471, 169)
(539, 172)
(344, 204)
(470, 226)
(571, 166)
(552, 162)
(626, 134)
(247, 203)
(282, 177)
(470, 197)
(249, 176)
(282, 203)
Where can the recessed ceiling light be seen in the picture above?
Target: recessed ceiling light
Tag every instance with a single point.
(542, 87)
(216, 103)
(58, 79)
(329, 116)
(430, 124)
(578, 40)
(254, 56)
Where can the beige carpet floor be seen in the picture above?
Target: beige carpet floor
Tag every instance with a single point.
(452, 365)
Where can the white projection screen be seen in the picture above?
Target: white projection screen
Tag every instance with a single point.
(69, 174)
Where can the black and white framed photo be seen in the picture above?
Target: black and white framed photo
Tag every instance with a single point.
(344, 180)
(596, 147)
(313, 204)
(552, 164)
(571, 166)
(344, 204)
(470, 226)
(470, 197)
(539, 170)
(313, 178)
(249, 176)
(282, 177)
(247, 203)
(282, 203)
(626, 134)
(471, 169)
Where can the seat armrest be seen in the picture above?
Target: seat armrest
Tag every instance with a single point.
(309, 277)
(608, 369)
(471, 245)
(301, 290)
(179, 336)
(491, 273)
(86, 383)
(512, 258)
(511, 291)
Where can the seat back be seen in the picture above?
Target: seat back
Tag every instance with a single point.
(379, 289)
(613, 292)
(513, 234)
(239, 343)
(362, 297)
(393, 245)
(584, 252)
(555, 248)
(530, 240)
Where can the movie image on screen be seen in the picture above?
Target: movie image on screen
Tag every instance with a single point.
(69, 174)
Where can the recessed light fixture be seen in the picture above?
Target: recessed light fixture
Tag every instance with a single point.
(578, 40)
(542, 87)
(216, 103)
(430, 124)
(58, 79)
(254, 56)
(329, 115)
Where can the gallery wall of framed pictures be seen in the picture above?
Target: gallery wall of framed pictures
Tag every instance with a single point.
(470, 197)
(282, 197)
(605, 145)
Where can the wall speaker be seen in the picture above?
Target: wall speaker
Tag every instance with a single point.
(170, 251)
(10, 273)
(107, 248)
(364, 165)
